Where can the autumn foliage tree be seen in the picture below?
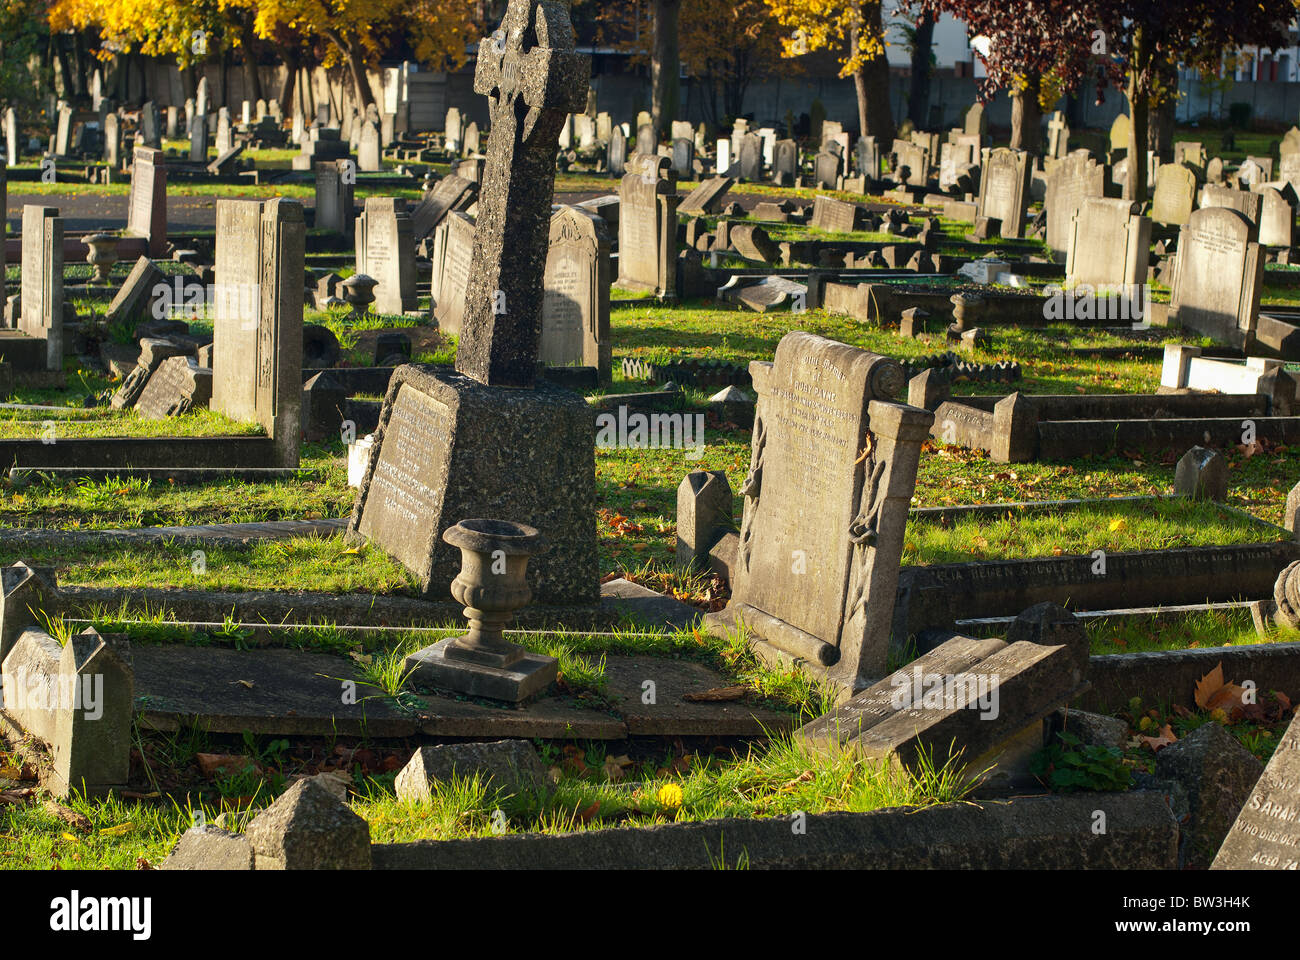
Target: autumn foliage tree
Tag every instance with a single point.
(728, 47)
(855, 29)
(1131, 44)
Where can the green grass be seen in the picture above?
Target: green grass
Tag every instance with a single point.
(781, 779)
(301, 563)
(1150, 525)
(1210, 628)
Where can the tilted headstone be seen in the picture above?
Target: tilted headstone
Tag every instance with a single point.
(176, 387)
(647, 226)
(335, 192)
(63, 130)
(1004, 187)
(1175, 194)
(131, 303)
(1265, 835)
(975, 121)
(456, 446)
(575, 307)
(453, 247)
(42, 280)
(1110, 245)
(832, 472)
(707, 198)
(1218, 275)
(836, 216)
(147, 207)
(386, 252)
(473, 143)
(450, 193)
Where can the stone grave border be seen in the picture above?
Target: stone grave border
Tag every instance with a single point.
(941, 596)
(1022, 428)
(885, 302)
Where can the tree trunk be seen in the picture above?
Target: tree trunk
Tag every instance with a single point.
(360, 82)
(871, 82)
(248, 50)
(665, 68)
(1026, 118)
(918, 101)
(1160, 133)
(287, 90)
(223, 79)
(1139, 100)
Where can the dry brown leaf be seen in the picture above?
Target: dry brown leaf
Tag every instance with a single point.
(716, 695)
(211, 764)
(69, 816)
(1165, 739)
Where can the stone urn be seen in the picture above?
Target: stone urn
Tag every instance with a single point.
(965, 308)
(359, 290)
(492, 586)
(102, 254)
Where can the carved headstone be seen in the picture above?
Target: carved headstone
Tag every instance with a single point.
(575, 310)
(386, 252)
(1218, 275)
(832, 471)
(42, 280)
(647, 226)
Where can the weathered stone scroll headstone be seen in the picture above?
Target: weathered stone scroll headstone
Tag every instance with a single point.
(467, 444)
(42, 281)
(832, 471)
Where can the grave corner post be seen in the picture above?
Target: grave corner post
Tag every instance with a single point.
(279, 335)
(888, 482)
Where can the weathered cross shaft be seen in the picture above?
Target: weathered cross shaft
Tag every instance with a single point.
(533, 78)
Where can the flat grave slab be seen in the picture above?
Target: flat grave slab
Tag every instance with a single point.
(294, 693)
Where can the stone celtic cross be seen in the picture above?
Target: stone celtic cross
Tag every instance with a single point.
(533, 78)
